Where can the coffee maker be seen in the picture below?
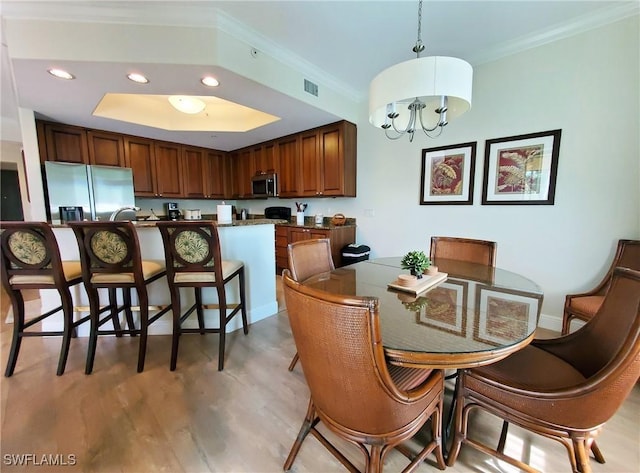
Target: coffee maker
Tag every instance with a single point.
(171, 210)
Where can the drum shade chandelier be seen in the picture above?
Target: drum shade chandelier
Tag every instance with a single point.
(402, 96)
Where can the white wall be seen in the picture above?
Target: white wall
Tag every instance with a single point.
(586, 85)
(11, 158)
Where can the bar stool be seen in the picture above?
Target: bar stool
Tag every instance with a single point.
(31, 260)
(110, 257)
(192, 251)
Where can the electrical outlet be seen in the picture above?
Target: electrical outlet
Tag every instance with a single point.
(369, 213)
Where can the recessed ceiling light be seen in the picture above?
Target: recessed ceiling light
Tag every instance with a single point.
(60, 73)
(186, 104)
(139, 78)
(210, 81)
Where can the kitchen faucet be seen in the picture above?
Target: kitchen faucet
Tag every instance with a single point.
(115, 214)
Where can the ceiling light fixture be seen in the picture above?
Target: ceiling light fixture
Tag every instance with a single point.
(187, 104)
(210, 81)
(139, 78)
(60, 74)
(439, 83)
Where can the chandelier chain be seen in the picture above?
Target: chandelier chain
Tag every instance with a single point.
(419, 47)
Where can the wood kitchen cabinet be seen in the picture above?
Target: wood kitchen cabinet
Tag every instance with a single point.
(168, 163)
(264, 158)
(205, 173)
(339, 237)
(156, 167)
(287, 150)
(66, 143)
(195, 170)
(139, 155)
(243, 171)
(328, 161)
(282, 240)
(218, 175)
(105, 148)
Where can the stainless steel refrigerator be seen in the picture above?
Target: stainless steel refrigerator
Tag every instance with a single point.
(99, 190)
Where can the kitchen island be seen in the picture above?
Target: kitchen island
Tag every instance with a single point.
(251, 241)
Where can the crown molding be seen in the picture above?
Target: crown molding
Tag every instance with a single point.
(597, 19)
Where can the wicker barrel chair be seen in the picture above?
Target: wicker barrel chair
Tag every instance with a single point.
(563, 388)
(584, 306)
(353, 391)
(308, 258)
(464, 249)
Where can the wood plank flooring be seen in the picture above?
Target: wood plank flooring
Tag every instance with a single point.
(197, 419)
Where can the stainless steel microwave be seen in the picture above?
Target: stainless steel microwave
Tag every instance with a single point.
(264, 185)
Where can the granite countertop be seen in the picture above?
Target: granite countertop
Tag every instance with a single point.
(234, 223)
(309, 222)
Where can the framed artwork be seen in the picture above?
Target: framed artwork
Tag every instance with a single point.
(447, 174)
(503, 315)
(446, 307)
(521, 169)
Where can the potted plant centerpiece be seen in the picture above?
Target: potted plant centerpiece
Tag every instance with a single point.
(417, 262)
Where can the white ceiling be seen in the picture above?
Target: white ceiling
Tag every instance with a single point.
(340, 45)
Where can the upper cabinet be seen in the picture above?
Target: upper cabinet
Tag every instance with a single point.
(168, 163)
(287, 151)
(156, 167)
(105, 149)
(325, 163)
(205, 173)
(140, 157)
(66, 143)
(194, 161)
(316, 163)
(264, 158)
(218, 172)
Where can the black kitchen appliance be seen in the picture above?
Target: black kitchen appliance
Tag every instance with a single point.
(71, 213)
(171, 210)
(280, 213)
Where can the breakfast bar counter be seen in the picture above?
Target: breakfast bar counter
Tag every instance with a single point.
(251, 241)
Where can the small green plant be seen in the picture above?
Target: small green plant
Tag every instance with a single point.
(416, 261)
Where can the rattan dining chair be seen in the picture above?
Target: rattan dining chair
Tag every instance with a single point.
(308, 258)
(565, 388)
(193, 255)
(464, 249)
(111, 260)
(31, 260)
(353, 391)
(583, 306)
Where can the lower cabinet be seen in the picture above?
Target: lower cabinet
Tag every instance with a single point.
(339, 236)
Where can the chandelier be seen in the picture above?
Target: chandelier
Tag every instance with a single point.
(401, 96)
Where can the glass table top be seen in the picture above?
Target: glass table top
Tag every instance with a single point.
(477, 315)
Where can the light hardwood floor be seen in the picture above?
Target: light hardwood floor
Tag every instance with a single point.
(197, 419)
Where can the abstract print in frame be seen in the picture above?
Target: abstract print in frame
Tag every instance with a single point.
(502, 315)
(447, 174)
(521, 169)
(446, 307)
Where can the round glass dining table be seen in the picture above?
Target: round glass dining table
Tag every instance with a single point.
(476, 316)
